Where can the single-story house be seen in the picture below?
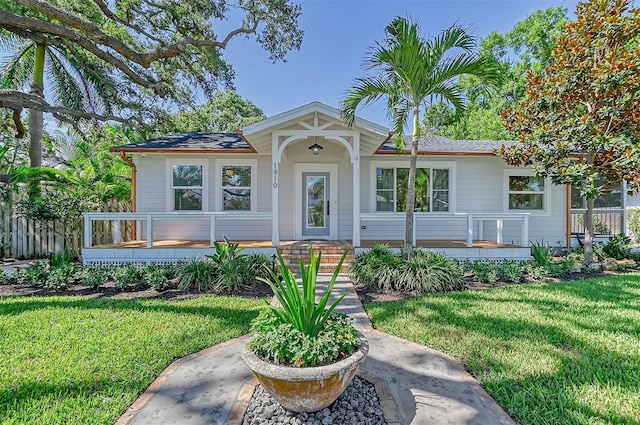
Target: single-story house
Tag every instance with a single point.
(304, 175)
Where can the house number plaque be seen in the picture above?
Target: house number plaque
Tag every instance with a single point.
(275, 175)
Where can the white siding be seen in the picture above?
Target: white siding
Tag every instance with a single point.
(333, 153)
(479, 188)
(152, 192)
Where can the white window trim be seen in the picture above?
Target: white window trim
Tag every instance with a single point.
(546, 199)
(204, 163)
(220, 162)
(448, 165)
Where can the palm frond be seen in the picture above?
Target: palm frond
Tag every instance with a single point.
(64, 87)
(17, 69)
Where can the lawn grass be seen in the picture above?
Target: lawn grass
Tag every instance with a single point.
(73, 360)
(558, 353)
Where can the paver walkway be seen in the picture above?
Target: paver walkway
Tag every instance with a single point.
(428, 387)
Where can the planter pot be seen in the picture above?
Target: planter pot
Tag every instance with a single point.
(306, 389)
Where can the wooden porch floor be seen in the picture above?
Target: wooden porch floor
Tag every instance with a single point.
(177, 243)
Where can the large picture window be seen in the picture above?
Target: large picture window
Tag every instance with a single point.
(187, 187)
(432, 189)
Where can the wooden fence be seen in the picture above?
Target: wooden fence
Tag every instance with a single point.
(21, 238)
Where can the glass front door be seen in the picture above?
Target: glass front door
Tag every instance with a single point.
(315, 204)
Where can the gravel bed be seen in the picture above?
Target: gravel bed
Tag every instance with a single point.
(358, 405)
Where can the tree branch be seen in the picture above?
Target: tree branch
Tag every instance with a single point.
(94, 33)
(18, 122)
(33, 29)
(109, 14)
(15, 100)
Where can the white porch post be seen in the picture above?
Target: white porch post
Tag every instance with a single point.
(116, 231)
(87, 230)
(469, 231)
(499, 231)
(525, 230)
(356, 190)
(275, 219)
(149, 231)
(212, 229)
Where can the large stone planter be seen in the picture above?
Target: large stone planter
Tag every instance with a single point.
(306, 389)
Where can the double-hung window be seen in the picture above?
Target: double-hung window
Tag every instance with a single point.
(187, 185)
(526, 192)
(431, 189)
(237, 184)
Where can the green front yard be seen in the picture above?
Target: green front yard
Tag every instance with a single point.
(559, 353)
(72, 360)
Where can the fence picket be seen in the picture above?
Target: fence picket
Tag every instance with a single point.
(28, 239)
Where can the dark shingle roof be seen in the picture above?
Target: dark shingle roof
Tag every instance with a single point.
(191, 142)
(438, 144)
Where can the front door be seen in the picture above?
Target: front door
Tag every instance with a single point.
(315, 205)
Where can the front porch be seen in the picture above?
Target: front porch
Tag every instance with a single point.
(171, 251)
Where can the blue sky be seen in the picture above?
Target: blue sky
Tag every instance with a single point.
(337, 35)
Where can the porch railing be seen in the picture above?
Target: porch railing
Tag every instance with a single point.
(469, 218)
(606, 222)
(148, 218)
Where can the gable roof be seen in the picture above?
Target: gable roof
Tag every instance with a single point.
(193, 143)
(438, 145)
(307, 109)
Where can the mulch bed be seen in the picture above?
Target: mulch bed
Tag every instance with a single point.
(260, 290)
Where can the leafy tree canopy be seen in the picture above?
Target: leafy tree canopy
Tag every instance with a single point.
(579, 121)
(527, 46)
(158, 53)
(226, 112)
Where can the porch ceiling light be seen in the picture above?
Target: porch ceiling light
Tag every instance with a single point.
(315, 148)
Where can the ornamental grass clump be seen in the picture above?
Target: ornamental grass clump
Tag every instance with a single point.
(426, 272)
(301, 332)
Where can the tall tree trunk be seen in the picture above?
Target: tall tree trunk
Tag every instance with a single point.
(409, 248)
(588, 220)
(588, 232)
(36, 122)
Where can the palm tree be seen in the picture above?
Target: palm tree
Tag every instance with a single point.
(411, 72)
(77, 81)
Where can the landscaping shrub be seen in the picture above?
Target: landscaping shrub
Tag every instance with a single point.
(559, 268)
(280, 342)
(155, 277)
(62, 276)
(196, 275)
(511, 271)
(380, 268)
(617, 247)
(171, 270)
(541, 253)
(95, 275)
(536, 272)
(376, 268)
(35, 274)
(129, 277)
(486, 272)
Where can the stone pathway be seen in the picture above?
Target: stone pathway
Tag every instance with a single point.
(425, 386)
